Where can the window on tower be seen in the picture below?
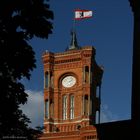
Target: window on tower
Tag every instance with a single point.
(46, 80)
(71, 107)
(51, 108)
(97, 92)
(97, 117)
(87, 74)
(85, 105)
(47, 108)
(51, 79)
(64, 107)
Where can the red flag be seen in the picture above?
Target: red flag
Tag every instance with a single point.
(80, 14)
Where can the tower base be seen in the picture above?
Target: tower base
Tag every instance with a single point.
(85, 133)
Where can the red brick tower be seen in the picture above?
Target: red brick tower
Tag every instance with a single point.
(70, 99)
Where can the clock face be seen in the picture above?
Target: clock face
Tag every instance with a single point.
(69, 81)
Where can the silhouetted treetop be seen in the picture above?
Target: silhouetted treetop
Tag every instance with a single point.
(20, 21)
(27, 17)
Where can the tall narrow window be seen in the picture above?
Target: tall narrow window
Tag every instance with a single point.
(97, 117)
(51, 108)
(64, 107)
(71, 107)
(47, 108)
(97, 92)
(46, 80)
(86, 74)
(90, 110)
(85, 103)
(51, 79)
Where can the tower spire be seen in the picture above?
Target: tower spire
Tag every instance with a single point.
(73, 44)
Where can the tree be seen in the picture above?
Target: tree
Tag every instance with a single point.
(20, 21)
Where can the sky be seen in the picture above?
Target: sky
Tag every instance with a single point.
(110, 31)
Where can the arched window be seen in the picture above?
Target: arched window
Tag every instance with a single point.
(97, 117)
(51, 108)
(64, 101)
(86, 74)
(72, 107)
(46, 108)
(97, 92)
(51, 79)
(85, 105)
(46, 80)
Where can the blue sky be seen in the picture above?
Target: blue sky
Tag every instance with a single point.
(110, 31)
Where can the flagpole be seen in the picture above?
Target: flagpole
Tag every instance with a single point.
(74, 23)
(73, 28)
(73, 44)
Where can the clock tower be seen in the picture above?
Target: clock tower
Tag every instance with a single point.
(71, 103)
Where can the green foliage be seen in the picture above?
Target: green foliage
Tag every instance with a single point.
(20, 21)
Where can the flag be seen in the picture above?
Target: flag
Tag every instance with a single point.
(80, 14)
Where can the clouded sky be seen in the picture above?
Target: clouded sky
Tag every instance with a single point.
(110, 31)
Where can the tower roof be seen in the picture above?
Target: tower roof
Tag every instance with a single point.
(73, 44)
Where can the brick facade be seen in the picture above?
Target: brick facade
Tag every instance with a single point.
(70, 112)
